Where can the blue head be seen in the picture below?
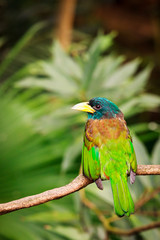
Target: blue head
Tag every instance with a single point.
(99, 108)
(103, 108)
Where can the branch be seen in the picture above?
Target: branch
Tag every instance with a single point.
(147, 196)
(77, 184)
(134, 230)
(107, 221)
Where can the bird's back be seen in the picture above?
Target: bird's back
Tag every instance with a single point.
(111, 139)
(108, 154)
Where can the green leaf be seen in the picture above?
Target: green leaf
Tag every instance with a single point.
(60, 216)
(89, 66)
(156, 160)
(139, 127)
(156, 153)
(57, 84)
(138, 82)
(122, 74)
(142, 158)
(130, 107)
(103, 42)
(19, 46)
(138, 221)
(71, 153)
(105, 195)
(139, 104)
(100, 44)
(149, 101)
(12, 229)
(64, 63)
(105, 68)
(70, 233)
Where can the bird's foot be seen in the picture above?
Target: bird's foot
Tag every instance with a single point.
(99, 183)
(132, 176)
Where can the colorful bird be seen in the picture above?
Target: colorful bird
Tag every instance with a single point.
(108, 151)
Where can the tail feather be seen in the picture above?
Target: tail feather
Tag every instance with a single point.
(117, 206)
(123, 202)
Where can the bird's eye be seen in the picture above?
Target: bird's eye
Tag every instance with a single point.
(97, 106)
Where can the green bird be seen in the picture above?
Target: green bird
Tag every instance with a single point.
(108, 151)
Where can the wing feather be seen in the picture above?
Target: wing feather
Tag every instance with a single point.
(90, 160)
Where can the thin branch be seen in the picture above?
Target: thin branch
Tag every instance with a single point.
(151, 213)
(107, 221)
(133, 230)
(56, 193)
(148, 170)
(147, 197)
(77, 184)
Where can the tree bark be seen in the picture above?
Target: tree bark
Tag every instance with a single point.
(77, 184)
(65, 22)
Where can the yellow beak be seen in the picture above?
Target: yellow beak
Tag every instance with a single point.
(84, 106)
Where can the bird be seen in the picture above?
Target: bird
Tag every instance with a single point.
(108, 151)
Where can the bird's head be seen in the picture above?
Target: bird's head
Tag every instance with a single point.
(99, 108)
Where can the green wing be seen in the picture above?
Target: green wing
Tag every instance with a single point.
(90, 160)
(132, 161)
(96, 162)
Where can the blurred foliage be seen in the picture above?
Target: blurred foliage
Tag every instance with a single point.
(41, 137)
